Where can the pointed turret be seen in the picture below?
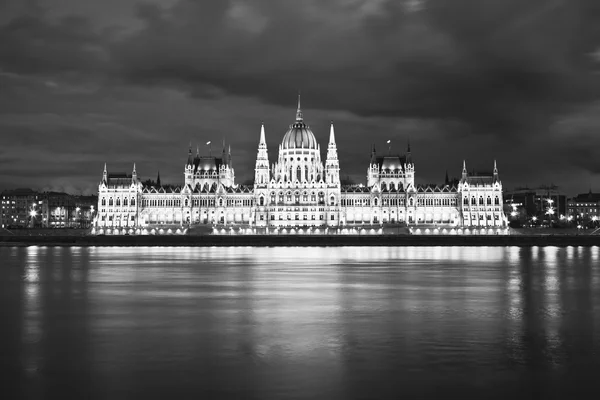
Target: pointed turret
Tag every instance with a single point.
(104, 174)
(158, 176)
(447, 181)
(299, 117)
(332, 165)
(190, 160)
(495, 171)
(133, 173)
(331, 134)
(464, 170)
(373, 155)
(408, 153)
(262, 135)
(262, 170)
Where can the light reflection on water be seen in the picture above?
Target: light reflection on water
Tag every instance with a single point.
(299, 322)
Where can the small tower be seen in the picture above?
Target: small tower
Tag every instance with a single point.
(134, 174)
(373, 170)
(495, 172)
(158, 179)
(464, 170)
(104, 175)
(409, 168)
(188, 172)
(261, 170)
(332, 164)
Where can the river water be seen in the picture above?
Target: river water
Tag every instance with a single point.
(299, 323)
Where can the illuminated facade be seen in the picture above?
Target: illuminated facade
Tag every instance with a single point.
(297, 194)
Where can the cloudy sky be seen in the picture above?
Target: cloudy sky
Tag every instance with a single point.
(84, 82)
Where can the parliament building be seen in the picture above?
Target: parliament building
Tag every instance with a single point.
(299, 194)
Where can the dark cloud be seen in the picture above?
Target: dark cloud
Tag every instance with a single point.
(475, 79)
(497, 65)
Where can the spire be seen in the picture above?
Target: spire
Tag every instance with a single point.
(408, 146)
(373, 155)
(197, 151)
(464, 170)
(495, 172)
(408, 154)
(447, 180)
(134, 173)
(262, 134)
(104, 174)
(299, 111)
(190, 160)
(331, 134)
(158, 177)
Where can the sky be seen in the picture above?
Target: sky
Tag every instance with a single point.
(87, 82)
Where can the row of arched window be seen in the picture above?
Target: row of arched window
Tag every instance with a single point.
(475, 202)
(117, 202)
(161, 202)
(296, 198)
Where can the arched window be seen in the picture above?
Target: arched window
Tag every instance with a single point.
(321, 198)
(375, 201)
(185, 203)
(299, 174)
(489, 201)
(297, 197)
(289, 197)
(411, 201)
(118, 202)
(305, 197)
(480, 200)
(281, 197)
(473, 201)
(132, 201)
(273, 198)
(110, 201)
(392, 186)
(466, 201)
(383, 186)
(220, 202)
(103, 201)
(497, 201)
(125, 201)
(332, 201)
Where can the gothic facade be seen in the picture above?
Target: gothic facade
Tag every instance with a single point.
(297, 194)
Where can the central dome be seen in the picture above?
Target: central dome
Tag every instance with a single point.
(299, 135)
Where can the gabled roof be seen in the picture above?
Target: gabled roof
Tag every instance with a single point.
(434, 188)
(207, 164)
(391, 163)
(355, 189)
(118, 181)
(480, 180)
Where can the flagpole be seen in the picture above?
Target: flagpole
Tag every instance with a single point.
(209, 144)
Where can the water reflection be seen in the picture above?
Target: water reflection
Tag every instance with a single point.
(272, 322)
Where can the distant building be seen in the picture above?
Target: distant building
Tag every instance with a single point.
(299, 193)
(20, 208)
(584, 209)
(544, 203)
